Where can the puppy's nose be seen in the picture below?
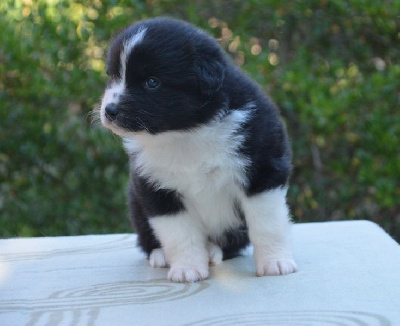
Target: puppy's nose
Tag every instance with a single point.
(111, 111)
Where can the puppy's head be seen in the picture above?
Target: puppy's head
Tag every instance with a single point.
(164, 75)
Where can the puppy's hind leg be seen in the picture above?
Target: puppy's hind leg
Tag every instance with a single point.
(215, 254)
(157, 258)
(267, 217)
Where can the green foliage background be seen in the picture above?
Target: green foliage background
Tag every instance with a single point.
(332, 66)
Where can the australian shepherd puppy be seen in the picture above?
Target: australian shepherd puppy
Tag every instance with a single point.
(210, 159)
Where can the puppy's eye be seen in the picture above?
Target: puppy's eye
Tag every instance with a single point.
(152, 82)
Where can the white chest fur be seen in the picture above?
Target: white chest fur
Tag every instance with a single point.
(203, 165)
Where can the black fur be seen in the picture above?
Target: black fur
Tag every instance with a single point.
(233, 241)
(197, 81)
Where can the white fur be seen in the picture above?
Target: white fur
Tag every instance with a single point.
(215, 254)
(111, 95)
(157, 258)
(267, 217)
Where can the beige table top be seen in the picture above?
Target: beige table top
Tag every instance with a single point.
(349, 274)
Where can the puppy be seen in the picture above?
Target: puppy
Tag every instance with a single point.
(209, 155)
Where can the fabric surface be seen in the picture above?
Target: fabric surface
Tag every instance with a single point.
(349, 274)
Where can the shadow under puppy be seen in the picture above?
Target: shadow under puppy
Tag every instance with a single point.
(210, 158)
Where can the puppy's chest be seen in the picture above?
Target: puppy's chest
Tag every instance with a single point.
(192, 170)
(205, 159)
(208, 180)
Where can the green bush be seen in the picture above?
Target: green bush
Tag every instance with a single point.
(332, 67)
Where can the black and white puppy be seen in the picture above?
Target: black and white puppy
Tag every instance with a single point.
(210, 158)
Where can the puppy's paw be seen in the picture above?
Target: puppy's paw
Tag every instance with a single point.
(214, 253)
(275, 266)
(187, 273)
(157, 258)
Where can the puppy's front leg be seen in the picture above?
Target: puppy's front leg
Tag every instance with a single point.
(267, 217)
(184, 245)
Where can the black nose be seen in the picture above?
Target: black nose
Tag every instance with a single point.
(111, 111)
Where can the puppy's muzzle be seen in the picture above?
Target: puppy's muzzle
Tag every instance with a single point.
(111, 111)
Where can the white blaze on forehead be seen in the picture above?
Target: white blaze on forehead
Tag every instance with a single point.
(117, 88)
(128, 46)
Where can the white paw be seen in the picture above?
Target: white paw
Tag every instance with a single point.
(275, 266)
(157, 258)
(187, 273)
(214, 253)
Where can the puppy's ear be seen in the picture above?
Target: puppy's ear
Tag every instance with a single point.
(210, 70)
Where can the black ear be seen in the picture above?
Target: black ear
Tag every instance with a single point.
(210, 71)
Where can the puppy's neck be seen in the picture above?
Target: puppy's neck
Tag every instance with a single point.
(219, 132)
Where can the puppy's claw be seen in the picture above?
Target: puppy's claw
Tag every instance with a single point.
(275, 267)
(187, 274)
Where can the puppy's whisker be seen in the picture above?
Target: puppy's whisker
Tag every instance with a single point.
(137, 120)
(94, 117)
(147, 113)
(141, 123)
(96, 122)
